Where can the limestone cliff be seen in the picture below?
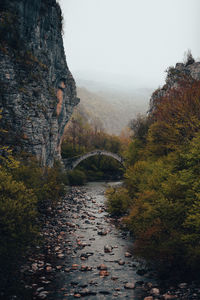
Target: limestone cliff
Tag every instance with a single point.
(37, 90)
(180, 75)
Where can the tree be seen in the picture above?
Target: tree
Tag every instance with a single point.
(188, 58)
(175, 119)
(140, 126)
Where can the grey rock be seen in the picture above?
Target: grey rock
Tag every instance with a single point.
(155, 291)
(102, 267)
(43, 295)
(183, 285)
(34, 267)
(121, 262)
(40, 289)
(129, 285)
(107, 249)
(128, 254)
(37, 90)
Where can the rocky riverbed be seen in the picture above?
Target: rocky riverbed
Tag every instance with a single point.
(85, 255)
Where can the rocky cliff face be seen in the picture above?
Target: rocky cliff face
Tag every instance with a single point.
(37, 90)
(180, 75)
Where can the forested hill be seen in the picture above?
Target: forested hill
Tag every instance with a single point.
(160, 199)
(114, 109)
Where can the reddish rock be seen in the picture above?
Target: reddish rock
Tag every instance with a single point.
(103, 273)
(74, 267)
(86, 268)
(169, 297)
(77, 296)
(48, 268)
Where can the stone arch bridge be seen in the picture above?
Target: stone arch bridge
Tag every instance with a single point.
(73, 162)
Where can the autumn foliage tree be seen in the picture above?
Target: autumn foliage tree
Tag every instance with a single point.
(176, 118)
(162, 178)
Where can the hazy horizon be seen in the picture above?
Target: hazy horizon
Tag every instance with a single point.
(129, 43)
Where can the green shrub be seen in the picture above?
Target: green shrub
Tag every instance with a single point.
(164, 212)
(76, 177)
(118, 201)
(25, 189)
(18, 208)
(17, 213)
(48, 184)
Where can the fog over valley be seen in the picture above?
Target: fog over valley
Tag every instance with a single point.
(114, 109)
(119, 50)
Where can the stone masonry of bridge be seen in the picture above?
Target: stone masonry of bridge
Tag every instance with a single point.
(73, 162)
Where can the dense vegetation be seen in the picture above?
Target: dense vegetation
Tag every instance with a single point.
(82, 137)
(160, 200)
(26, 190)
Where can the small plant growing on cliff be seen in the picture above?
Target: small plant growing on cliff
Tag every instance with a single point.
(188, 58)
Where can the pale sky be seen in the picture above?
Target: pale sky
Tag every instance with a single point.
(129, 42)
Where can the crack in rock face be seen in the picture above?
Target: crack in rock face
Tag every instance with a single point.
(37, 90)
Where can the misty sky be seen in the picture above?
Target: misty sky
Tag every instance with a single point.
(129, 42)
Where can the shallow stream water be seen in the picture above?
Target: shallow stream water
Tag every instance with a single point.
(90, 232)
(85, 254)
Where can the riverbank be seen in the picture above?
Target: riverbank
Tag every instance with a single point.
(85, 255)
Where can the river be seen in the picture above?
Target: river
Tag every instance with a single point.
(85, 255)
(95, 259)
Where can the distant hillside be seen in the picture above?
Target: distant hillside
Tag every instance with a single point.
(114, 109)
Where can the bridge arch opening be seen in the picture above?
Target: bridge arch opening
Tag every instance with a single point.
(98, 164)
